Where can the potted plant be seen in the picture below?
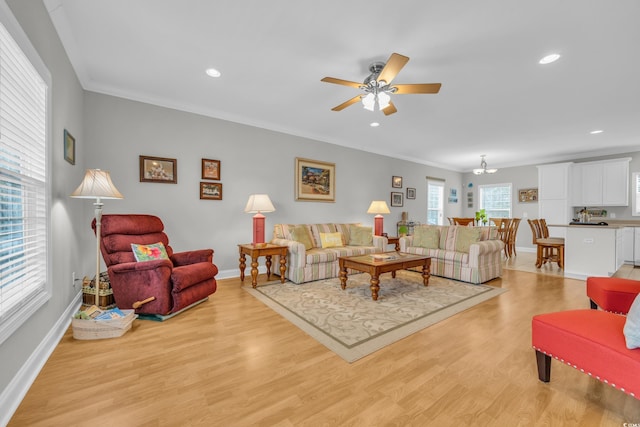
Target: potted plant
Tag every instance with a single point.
(481, 216)
(402, 230)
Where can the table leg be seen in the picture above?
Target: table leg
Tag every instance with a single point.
(343, 277)
(242, 266)
(374, 287)
(254, 272)
(393, 274)
(426, 272)
(283, 267)
(539, 256)
(268, 264)
(561, 257)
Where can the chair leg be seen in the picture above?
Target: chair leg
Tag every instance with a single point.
(544, 366)
(593, 305)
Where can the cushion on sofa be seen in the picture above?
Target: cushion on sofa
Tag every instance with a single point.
(465, 236)
(360, 236)
(316, 229)
(426, 237)
(300, 233)
(632, 325)
(344, 230)
(331, 240)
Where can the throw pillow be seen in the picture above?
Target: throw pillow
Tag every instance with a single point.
(465, 237)
(426, 237)
(331, 240)
(632, 325)
(300, 234)
(149, 252)
(360, 236)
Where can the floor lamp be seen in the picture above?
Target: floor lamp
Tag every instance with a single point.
(97, 185)
(378, 207)
(257, 204)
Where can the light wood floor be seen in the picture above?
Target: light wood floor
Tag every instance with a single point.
(232, 361)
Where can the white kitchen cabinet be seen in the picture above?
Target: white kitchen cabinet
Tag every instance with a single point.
(592, 251)
(554, 204)
(628, 238)
(601, 183)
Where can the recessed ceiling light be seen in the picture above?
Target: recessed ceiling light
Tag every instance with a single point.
(374, 124)
(593, 132)
(213, 72)
(549, 59)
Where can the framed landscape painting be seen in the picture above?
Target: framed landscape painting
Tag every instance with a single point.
(315, 180)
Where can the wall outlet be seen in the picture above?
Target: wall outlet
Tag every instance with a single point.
(525, 215)
(612, 215)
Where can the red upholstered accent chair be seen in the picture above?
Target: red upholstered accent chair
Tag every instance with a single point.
(612, 293)
(592, 340)
(176, 283)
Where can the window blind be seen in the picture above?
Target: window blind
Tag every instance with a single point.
(23, 216)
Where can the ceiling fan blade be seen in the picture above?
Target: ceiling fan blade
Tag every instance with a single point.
(390, 109)
(417, 88)
(341, 82)
(346, 104)
(393, 67)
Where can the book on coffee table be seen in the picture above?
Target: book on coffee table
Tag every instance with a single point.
(383, 257)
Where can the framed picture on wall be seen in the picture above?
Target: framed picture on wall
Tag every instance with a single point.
(411, 193)
(315, 181)
(69, 148)
(210, 169)
(158, 169)
(528, 195)
(396, 198)
(396, 181)
(211, 191)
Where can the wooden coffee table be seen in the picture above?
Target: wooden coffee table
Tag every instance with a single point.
(375, 267)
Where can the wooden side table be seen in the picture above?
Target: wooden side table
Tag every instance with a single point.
(255, 252)
(394, 241)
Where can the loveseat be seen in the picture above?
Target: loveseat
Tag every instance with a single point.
(314, 249)
(468, 254)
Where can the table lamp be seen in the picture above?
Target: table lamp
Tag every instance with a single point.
(257, 204)
(97, 185)
(378, 207)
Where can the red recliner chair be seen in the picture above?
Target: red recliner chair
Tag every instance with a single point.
(175, 283)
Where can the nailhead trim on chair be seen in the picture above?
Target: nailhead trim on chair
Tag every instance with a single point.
(583, 371)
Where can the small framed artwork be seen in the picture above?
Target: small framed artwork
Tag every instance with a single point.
(396, 182)
(69, 148)
(315, 181)
(528, 195)
(210, 169)
(396, 198)
(411, 193)
(469, 199)
(211, 191)
(158, 169)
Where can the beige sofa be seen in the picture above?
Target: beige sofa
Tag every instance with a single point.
(468, 254)
(314, 248)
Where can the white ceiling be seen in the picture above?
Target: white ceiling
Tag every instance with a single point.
(495, 98)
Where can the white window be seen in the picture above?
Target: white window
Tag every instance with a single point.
(635, 194)
(24, 112)
(495, 199)
(435, 202)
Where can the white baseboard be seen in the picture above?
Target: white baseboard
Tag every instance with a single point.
(19, 386)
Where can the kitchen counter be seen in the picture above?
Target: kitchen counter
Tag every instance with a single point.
(593, 250)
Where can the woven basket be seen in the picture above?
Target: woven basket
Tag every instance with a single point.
(101, 329)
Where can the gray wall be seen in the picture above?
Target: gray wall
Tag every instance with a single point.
(36, 336)
(253, 160)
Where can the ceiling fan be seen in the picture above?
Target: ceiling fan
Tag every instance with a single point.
(377, 86)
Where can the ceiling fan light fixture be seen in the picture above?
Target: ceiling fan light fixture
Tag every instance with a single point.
(383, 100)
(483, 167)
(369, 102)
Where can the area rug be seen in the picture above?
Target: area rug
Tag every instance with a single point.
(352, 325)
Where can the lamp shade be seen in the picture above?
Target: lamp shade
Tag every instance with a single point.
(378, 207)
(97, 184)
(259, 203)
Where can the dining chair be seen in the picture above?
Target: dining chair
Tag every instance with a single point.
(502, 225)
(464, 221)
(512, 231)
(548, 249)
